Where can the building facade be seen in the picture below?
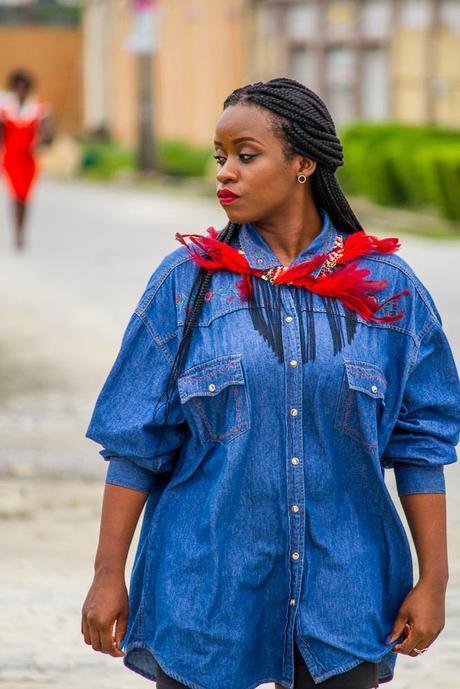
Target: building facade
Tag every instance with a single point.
(371, 59)
(201, 54)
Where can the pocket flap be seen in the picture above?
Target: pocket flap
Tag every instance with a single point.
(367, 378)
(210, 377)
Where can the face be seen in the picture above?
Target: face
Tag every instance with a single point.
(22, 89)
(251, 164)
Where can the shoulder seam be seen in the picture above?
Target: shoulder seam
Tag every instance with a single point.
(382, 259)
(155, 337)
(429, 325)
(156, 286)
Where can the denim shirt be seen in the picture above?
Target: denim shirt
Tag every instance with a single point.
(268, 519)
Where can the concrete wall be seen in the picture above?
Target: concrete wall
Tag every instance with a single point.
(203, 56)
(447, 83)
(409, 75)
(426, 76)
(110, 80)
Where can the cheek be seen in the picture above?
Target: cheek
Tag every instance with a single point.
(270, 181)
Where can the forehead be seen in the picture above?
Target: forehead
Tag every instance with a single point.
(239, 121)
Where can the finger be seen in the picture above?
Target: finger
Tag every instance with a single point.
(413, 640)
(107, 639)
(423, 642)
(398, 628)
(86, 633)
(408, 637)
(95, 639)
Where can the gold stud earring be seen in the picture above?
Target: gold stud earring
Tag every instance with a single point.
(302, 179)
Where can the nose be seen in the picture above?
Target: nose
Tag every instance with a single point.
(226, 173)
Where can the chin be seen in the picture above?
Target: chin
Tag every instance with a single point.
(238, 217)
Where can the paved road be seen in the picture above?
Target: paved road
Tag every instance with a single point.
(64, 306)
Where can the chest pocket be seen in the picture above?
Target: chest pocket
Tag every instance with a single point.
(215, 399)
(360, 402)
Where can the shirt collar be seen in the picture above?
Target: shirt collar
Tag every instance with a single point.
(260, 256)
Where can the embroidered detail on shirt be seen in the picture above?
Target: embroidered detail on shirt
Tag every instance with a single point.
(226, 293)
(257, 254)
(238, 421)
(389, 309)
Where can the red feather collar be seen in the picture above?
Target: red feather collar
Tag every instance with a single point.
(345, 282)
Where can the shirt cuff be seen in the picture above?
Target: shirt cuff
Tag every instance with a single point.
(126, 473)
(414, 478)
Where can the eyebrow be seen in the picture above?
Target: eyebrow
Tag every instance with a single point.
(238, 141)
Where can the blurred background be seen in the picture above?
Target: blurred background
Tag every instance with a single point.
(133, 89)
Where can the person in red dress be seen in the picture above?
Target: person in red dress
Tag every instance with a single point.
(24, 125)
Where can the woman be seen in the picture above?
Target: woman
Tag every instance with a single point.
(24, 125)
(263, 385)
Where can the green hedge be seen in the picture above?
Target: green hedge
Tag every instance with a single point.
(179, 158)
(103, 159)
(402, 165)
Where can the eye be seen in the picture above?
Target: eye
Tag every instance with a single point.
(244, 157)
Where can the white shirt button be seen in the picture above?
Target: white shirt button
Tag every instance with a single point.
(295, 556)
(293, 363)
(289, 319)
(211, 387)
(295, 460)
(374, 388)
(294, 412)
(294, 508)
(292, 601)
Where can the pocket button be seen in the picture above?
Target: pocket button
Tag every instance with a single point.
(212, 388)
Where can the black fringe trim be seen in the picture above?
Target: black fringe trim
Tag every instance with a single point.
(265, 310)
(266, 314)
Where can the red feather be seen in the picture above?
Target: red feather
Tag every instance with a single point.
(345, 282)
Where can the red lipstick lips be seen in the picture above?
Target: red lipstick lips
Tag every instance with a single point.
(226, 196)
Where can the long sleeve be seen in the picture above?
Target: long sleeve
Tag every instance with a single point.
(122, 471)
(428, 426)
(139, 433)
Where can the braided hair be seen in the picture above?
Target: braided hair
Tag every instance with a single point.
(304, 125)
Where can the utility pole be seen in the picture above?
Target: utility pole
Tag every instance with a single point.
(142, 42)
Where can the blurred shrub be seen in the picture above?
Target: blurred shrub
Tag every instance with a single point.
(403, 165)
(179, 158)
(54, 12)
(102, 160)
(439, 171)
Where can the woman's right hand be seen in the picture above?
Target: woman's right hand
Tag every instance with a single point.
(106, 605)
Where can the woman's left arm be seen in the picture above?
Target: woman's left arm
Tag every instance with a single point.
(421, 617)
(426, 516)
(422, 442)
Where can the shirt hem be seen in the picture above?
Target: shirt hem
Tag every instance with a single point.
(193, 685)
(327, 674)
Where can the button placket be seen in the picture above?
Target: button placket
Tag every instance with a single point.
(295, 478)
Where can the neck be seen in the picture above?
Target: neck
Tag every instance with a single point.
(290, 233)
